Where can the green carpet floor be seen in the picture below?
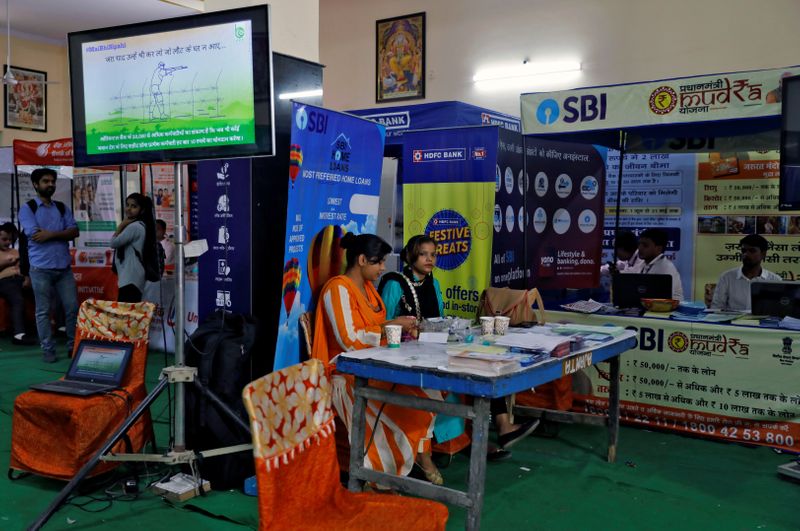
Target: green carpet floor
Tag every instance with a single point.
(660, 481)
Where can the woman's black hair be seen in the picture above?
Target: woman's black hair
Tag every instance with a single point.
(371, 246)
(147, 216)
(411, 251)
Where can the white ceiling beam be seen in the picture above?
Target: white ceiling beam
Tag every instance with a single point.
(197, 5)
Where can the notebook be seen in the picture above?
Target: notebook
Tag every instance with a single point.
(97, 367)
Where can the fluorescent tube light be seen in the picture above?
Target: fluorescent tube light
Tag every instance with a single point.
(526, 70)
(300, 94)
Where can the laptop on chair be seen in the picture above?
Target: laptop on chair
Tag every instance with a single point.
(97, 367)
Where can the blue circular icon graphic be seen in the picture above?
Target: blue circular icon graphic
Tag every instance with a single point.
(548, 111)
(453, 237)
(301, 118)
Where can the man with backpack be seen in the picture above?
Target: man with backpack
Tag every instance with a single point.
(48, 226)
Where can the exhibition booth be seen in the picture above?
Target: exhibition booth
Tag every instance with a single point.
(258, 193)
(699, 159)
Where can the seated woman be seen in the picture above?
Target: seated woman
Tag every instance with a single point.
(416, 292)
(351, 316)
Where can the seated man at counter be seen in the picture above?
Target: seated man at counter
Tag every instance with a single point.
(733, 287)
(652, 243)
(626, 246)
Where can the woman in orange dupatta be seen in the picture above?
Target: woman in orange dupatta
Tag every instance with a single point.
(350, 316)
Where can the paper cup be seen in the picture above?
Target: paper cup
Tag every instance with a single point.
(393, 335)
(501, 325)
(487, 326)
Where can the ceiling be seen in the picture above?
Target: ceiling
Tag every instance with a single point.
(51, 20)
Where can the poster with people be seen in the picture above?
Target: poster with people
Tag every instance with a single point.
(335, 176)
(737, 195)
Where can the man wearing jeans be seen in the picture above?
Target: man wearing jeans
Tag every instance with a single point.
(49, 230)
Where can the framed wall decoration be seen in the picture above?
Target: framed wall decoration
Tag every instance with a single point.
(400, 58)
(26, 101)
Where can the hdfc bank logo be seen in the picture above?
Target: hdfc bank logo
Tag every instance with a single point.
(663, 100)
(417, 155)
(678, 341)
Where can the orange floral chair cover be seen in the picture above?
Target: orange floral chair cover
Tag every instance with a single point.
(296, 467)
(55, 435)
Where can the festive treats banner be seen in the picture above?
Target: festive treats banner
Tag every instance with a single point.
(225, 270)
(737, 194)
(509, 268)
(697, 99)
(732, 383)
(335, 164)
(449, 178)
(566, 208)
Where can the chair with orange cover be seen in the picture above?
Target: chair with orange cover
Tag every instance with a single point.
(296, 467)
(55, 435)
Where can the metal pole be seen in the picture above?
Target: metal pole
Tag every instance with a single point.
(622, 141)
(180, 312)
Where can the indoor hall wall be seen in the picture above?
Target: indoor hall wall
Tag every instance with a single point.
(617, 41)
(50, 58)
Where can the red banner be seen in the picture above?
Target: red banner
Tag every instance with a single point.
(97, 282)
(56, 152)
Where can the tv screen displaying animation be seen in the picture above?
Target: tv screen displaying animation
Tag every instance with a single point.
(789, 196)
(187, 88)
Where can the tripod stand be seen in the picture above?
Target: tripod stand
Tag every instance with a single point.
(178, 375)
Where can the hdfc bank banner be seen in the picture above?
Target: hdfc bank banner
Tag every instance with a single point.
(670, 101)
(449, 180)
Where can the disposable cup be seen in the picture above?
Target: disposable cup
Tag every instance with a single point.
(394, 333)
(501, 325)
(487, 325)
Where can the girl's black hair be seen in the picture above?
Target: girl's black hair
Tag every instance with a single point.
(371, 246)
(147, 216)
(411, 251)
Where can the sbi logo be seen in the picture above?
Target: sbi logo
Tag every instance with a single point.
(316, 122)
(548, 112)
(584, 108)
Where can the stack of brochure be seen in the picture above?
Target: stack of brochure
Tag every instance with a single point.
(484, 364)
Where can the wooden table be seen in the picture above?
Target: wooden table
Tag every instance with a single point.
(383, 364)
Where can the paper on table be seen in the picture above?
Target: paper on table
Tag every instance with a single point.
(532, 341)
(433, 337)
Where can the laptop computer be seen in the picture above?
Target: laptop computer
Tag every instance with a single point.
(628, 289)
(97, 367)
(775, 299)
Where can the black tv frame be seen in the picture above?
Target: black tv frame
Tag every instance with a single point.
(784, 203)
(264, 104)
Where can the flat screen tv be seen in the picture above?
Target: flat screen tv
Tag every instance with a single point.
(187, 88)
(789, 195)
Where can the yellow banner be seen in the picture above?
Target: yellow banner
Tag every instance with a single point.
(729, 382)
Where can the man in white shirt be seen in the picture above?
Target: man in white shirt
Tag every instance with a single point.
(733, 287)
(626, 249)
(652, 243)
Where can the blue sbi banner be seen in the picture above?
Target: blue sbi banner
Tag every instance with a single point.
(335, 165)
(224, 199)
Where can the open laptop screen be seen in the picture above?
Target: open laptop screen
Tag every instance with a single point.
(628, 289)
(100, 361)
(776, 299)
